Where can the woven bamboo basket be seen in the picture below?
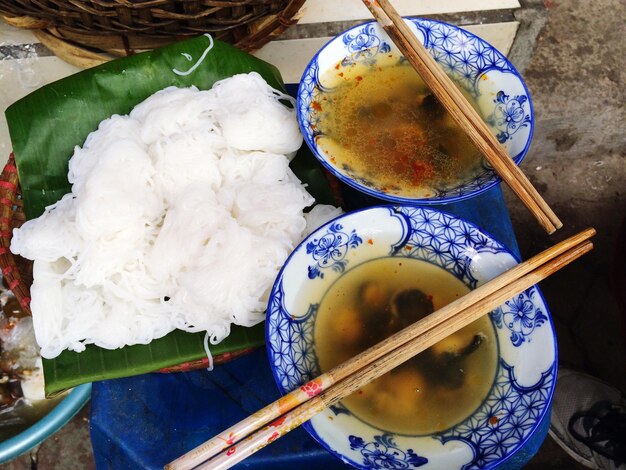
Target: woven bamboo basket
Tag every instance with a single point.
(17, 272)
(90, 32)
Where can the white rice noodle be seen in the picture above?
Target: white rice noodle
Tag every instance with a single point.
(180, 216)
(242, 114)
(52, 235)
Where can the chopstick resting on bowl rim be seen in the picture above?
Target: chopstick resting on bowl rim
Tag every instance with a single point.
(268, 424)
(462, 112)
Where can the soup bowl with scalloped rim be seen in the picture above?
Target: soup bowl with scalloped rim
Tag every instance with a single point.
(476, 67)
(521, 389)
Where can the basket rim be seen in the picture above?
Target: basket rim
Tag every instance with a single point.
(132, 27)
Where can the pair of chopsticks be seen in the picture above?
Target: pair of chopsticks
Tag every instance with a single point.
(268, 424)
(462, 112)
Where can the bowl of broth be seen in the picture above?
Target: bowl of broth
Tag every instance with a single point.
(471, 400)
(372, 122)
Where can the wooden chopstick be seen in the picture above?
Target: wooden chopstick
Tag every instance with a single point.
(372, 371)
(462, 112)
(403, 344)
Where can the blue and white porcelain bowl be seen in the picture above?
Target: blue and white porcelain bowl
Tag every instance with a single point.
(520, 395)
(474, 65)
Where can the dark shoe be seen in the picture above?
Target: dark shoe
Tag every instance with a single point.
(589, 421)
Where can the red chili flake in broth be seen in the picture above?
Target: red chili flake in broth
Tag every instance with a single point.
(337, 66)
(341, 74)
(421, 170)
(316, 106)
(358, 78)
(402, 164)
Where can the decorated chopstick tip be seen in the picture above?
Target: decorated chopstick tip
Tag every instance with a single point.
(278, 422)
(230, 440)
(313, 387)
(287, 403)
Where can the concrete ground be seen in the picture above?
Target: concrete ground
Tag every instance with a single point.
(577, 78)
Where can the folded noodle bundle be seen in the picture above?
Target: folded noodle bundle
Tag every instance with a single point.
(180, 216)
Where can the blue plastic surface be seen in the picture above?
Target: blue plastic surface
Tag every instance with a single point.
(149, 420)
(46, 426)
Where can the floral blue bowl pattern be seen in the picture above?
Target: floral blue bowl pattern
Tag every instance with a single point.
(525, 377)
(474, 65)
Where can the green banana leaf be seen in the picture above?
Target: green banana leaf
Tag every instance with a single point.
(45, 127)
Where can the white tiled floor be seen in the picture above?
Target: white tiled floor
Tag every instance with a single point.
(318, 11)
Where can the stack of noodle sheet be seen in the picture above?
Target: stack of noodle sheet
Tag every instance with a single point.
(180, 216)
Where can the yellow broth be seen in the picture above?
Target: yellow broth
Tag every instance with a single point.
(427, 394)
(382, 123)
